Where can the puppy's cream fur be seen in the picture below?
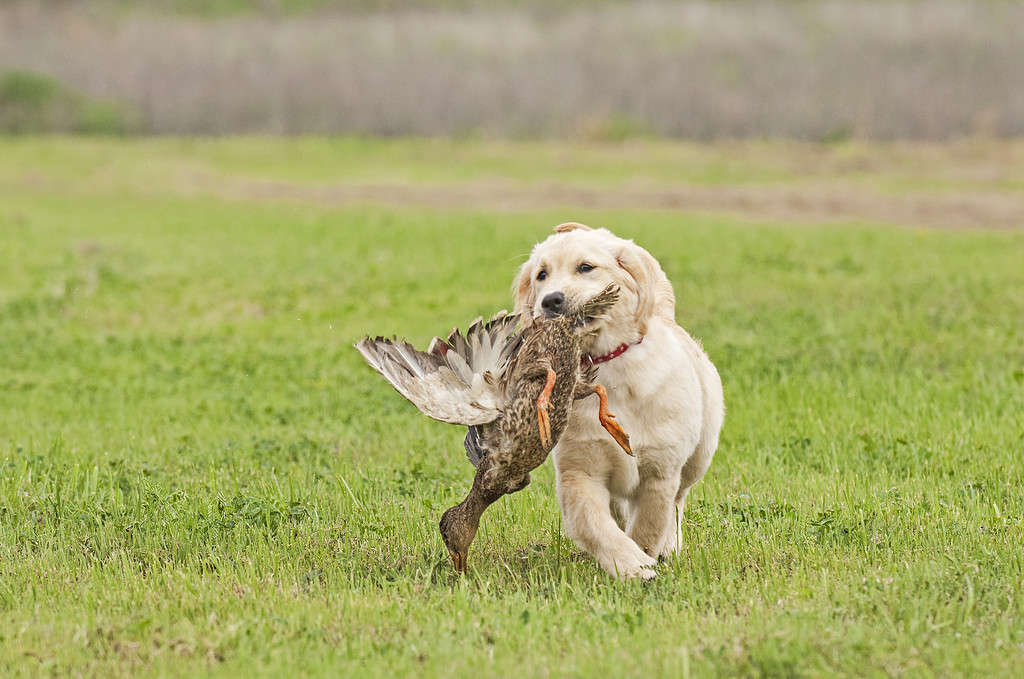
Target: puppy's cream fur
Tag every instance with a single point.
(665, 392)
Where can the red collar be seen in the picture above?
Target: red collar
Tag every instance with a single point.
(617, 351)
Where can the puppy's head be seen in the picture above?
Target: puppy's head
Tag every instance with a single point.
(576, 263)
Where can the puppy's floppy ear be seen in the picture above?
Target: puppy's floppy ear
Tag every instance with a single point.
(656, 299)
(571, 226)
(522, 289)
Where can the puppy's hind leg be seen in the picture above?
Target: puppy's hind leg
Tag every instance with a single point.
(692, 472)
(673, 537)
(654, 512)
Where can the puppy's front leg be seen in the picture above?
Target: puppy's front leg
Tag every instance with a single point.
(588, 521)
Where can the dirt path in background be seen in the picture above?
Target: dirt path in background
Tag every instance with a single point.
(835, 201)
(804, 204)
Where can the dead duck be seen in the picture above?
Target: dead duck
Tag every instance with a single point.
(512, 386)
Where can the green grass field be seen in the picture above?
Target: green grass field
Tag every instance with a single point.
(198, 475)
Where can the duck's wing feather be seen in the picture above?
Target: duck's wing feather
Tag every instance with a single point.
(481, 441)
(457, 380)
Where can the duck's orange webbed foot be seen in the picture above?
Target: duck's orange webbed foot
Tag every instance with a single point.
(543, 423)
(608, 420)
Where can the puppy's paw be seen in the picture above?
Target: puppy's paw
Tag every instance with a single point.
(671, 547)
(640, 572)
(647, 574)
(633, 564)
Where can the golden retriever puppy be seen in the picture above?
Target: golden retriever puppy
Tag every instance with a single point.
(626, 511)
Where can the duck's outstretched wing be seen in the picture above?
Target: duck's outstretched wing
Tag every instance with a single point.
(456, 380)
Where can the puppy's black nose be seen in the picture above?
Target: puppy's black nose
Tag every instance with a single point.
(553, 304)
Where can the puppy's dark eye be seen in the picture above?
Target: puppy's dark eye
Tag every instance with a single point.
(585, 268)
(542, 275)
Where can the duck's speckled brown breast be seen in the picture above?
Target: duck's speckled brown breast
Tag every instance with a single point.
(555, 341)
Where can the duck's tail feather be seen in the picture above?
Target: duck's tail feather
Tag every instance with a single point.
(456, 380)
(600, 303)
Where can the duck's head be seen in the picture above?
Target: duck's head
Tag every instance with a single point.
(458, 528)
(586, 315)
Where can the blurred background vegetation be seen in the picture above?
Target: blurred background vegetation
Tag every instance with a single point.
(33, 103)
(592, 69)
